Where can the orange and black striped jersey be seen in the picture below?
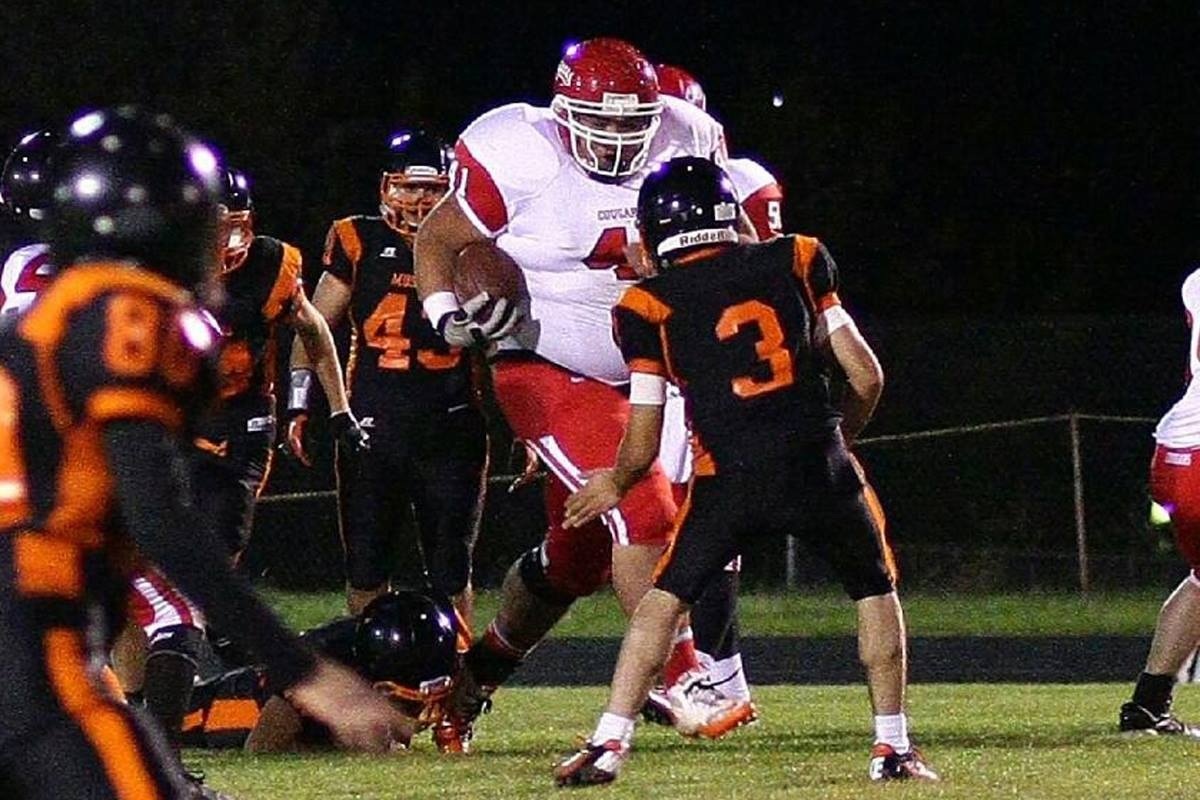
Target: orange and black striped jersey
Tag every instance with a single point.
(103, 342)
(399, 362)
(258, 294)
(735, 331)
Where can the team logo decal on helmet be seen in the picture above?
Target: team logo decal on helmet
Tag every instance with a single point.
(607, 106)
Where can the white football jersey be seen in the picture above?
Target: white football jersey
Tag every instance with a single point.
(569, 232)
(1180, 427)
(24, 272)
(759, 195)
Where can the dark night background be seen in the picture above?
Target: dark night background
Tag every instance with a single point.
(1033, 157)
(1011, 194)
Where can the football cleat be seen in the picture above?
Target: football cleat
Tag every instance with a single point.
(699, 708)
(888, 765)
(657, 708)
(592, 764)
(1137, 720)
(196, 790)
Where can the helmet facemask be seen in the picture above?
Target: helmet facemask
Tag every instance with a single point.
(236, 235)
(425, 703)
(406, 198)
(608, 139)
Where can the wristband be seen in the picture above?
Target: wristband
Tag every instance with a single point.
(438, 306)
(298, 390)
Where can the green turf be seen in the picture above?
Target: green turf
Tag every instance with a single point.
(989, 741)
(831, 614)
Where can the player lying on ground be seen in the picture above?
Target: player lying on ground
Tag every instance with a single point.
(403, 643)
(745, 330)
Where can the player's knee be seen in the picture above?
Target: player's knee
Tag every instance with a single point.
(549, 584)
(180, 641)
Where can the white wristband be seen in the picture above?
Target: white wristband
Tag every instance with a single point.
(438, 305)
(830, 320)
(646, 389)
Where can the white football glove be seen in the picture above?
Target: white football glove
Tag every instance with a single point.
(461, 328)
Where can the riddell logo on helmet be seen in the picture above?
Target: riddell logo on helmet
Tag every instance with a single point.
(709, 236)
(619, 102)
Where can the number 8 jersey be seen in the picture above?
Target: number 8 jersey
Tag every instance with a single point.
(398, 361)
(737, 331)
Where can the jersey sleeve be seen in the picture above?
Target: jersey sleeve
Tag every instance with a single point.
(287, 283)
(343, 251)
(760, 195)
(637, 328)
(814, 267)
(130, 355)
(502, 158)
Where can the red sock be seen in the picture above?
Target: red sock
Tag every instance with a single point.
(682, 658)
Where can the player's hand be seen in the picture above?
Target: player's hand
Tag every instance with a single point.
(463, 328)
(359, 717)
(296, 430)
(529, 470)
(600, 494)
(349, 432)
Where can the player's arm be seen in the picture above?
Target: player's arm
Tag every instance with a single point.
(277, 730)
(636, 321)
(331, 299)
(864, 375)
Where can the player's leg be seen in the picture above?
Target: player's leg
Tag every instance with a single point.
(173, 630)
(848, 530)
(448, 498)
(365, 519)
(1175, 484)
(707, 539)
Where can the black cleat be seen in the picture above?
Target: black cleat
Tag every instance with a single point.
(1137, 720)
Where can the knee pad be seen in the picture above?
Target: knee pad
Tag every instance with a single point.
(532, 570)
(182, 641)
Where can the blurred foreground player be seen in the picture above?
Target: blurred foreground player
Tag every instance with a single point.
(1175, 485)
(24, 195)
(746, 331)
(404, 643)
(413, 392)
(260, 278)
(99, 380)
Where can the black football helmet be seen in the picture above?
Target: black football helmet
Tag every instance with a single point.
(406, 645)
(683, 204)
(416, 174)
(237, 219)
(25, 181)
(127, 184)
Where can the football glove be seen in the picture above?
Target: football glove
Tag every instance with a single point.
(462, 329)
(349, 433)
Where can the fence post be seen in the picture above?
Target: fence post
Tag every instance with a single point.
(790, 580)
(1080, 523)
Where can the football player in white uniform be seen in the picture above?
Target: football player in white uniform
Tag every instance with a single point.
(556, 188)
(24, 259)
(1175, 485)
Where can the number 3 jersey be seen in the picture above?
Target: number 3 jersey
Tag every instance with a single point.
(569, 232)
(398, 362)
(736, 331)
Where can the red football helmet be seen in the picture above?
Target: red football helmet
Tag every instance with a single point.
(678, 82)
(607, 107)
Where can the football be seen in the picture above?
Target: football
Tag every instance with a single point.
(484, 267)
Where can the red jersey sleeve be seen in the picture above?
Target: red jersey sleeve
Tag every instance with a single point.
(477, 192)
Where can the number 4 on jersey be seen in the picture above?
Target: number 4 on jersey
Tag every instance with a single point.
(612, 250)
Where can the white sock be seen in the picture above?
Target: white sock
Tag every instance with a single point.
(727, 675)
(613, 726)
(893, 729)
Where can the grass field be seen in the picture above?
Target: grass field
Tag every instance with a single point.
(987, 740)
(831, 614)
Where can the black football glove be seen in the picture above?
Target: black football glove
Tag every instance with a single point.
(349, 433)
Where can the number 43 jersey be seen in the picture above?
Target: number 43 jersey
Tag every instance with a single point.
(736, 331)
(398, 362)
